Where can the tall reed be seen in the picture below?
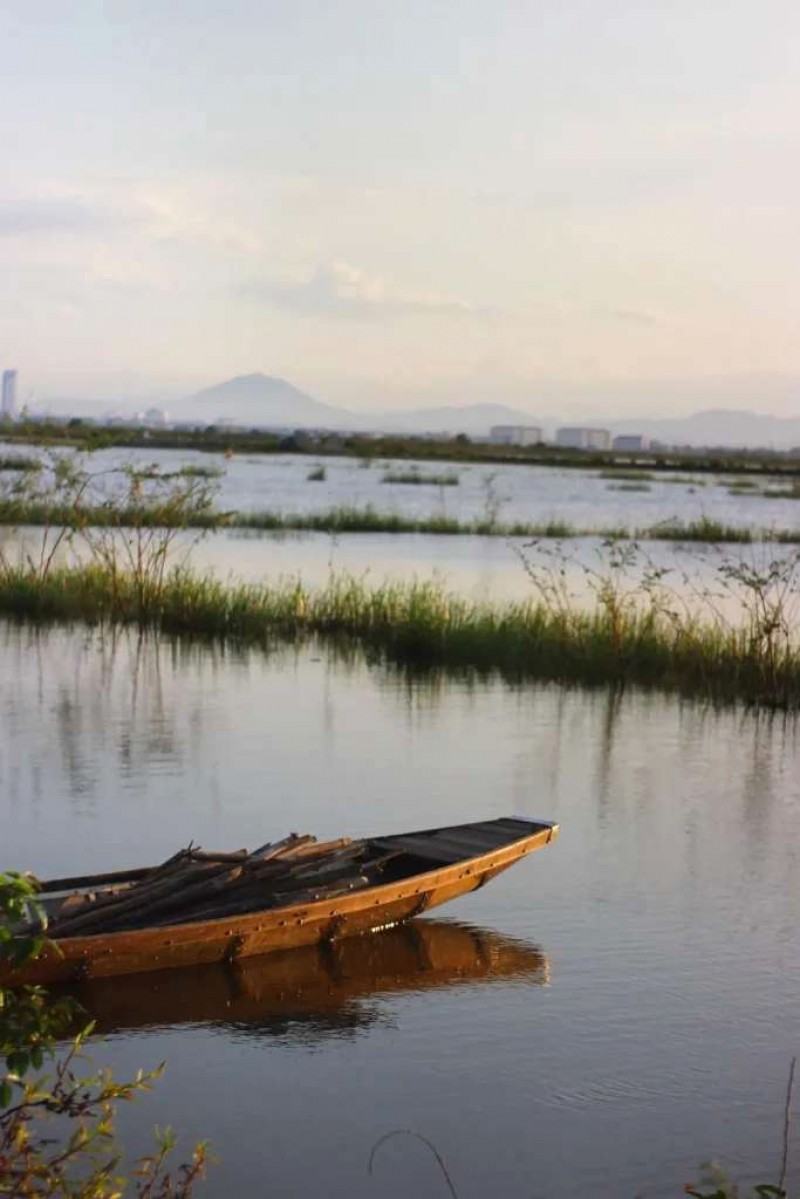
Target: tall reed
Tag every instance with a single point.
(624, 638)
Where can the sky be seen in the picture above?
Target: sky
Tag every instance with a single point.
(587, 206)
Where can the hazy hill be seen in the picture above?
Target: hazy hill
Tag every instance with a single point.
(260, 400)
(263, 400)
(710, 427)
(718, 427)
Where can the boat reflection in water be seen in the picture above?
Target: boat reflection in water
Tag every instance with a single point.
(315, 991)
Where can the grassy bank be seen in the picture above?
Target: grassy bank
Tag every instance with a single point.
(345, 519)
(103, 516)
(420, 626)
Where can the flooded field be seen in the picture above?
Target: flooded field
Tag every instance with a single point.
(597, 1021)
(590, 499)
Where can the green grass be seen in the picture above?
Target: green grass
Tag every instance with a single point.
(190, 471)
(704, 529)
(14, 512)
(349, 519)
(414, 476)
(195, 471)
(317, 475)
(636, 476)
(420, 626)
(737, 486)
(19, 462)
(369, 520)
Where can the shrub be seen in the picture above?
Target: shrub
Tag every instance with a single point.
(57, 1134)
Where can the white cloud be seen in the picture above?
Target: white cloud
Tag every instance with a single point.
(31, 215)
(340, 289)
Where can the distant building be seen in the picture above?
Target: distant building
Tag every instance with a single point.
(578, 438)
(8, 405)
(515, 435)
(631, 441)
(156, 417)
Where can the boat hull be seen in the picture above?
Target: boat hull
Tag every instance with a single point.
(261, 932)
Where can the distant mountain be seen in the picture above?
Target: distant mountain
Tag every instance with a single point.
(717, 427)
(710, 427)
(260, 400)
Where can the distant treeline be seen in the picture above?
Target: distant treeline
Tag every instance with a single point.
(219, 439)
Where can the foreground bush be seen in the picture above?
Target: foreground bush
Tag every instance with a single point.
(57, 1134)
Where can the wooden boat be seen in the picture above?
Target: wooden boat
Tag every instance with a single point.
(317, 991)
(419, 871)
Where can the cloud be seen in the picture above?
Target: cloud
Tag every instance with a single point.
(182, 215)
(339, 289)
(633, 316)
(152, 213)
(56, 214)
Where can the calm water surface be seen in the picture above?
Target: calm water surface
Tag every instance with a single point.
(599, 1020)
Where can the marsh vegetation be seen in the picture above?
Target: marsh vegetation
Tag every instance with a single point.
(628, 633)
(634, 629)
(415, 477)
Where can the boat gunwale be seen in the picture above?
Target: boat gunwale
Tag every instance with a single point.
(69, 953)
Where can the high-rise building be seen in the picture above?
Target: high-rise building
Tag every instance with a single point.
(578, 438)
(515, 435)
(8, 406)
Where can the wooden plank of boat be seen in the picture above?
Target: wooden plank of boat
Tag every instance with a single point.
(427, 869)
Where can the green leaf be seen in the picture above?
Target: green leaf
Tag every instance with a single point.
(17, 1062)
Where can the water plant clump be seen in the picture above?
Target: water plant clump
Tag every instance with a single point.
(415, 476)
(706, 529)
(195, 470)
(742, 485)
(19, 462)
(633, 476)
(317, 475)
